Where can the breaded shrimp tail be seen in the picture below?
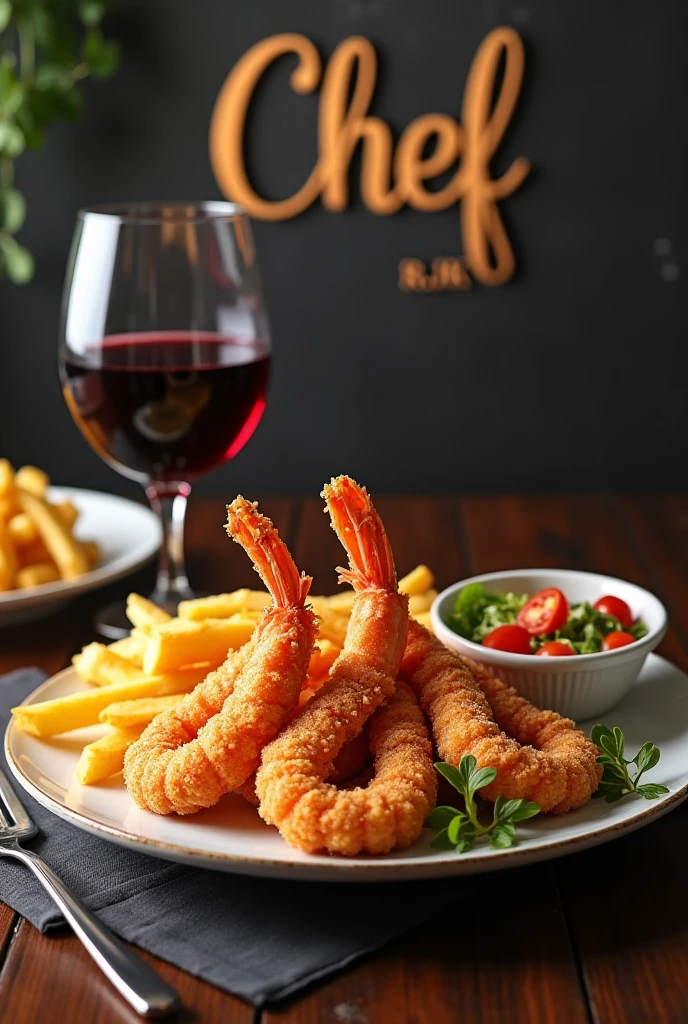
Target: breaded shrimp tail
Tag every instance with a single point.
(309, 812)
(210, 743)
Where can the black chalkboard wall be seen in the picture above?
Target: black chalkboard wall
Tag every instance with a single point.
(571, 376)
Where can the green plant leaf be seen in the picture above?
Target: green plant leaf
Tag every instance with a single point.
(13, 206)
(466, 839)
(5, 14)
(101, 56)
(646, 758)
(17, 261)
(454, 828)
(441, 841)
(526, 809)
(620, 740)
(11, 139)
(451, 774)
(91, 12)
(467, 767)
(502, 836)
(597, 732)
(651, 790)
(440, 817)
(481, 777)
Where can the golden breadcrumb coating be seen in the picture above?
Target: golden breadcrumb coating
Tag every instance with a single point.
(538, 755)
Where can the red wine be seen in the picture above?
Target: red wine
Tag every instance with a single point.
(168, 406)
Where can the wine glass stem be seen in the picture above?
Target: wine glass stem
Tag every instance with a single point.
(172, 585)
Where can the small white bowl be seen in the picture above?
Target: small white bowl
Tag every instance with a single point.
(584, 685)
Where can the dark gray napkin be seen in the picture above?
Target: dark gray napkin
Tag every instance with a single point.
(258, 938)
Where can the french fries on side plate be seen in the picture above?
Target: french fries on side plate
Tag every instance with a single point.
(37, 542)
(132, 680)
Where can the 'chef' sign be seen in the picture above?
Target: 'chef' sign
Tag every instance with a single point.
(391, 176)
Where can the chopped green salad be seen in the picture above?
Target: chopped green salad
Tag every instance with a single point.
(477, 614)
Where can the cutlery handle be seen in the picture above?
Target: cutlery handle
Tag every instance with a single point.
(134, 980)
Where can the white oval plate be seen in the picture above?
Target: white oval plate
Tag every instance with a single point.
(231, 836)
(128, 535)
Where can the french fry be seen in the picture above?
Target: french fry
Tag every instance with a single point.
(130, 647)
(127, 713)
(34, 575)
(181, 642)
(421, 602)
(341, 601)
(66, 511)
(92, 552)
(8, 559)
(9, 506)
(6, 478)
(52, 717)
(142, 612)
(65, 551)
(222, 606)
(101, 665)
(417, 581)
(32, 479)
(105, 757)
(22, 530)
(33, 553)
(322, 658)
(424, 619)
(332, 624)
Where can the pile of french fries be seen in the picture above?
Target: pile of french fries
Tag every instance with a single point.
(134, 679)
(37, 543)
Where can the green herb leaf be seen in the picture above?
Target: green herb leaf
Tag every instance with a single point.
(451, 774)
(651, 790)
(480, 778)
(646, 758)
(502, 836)
(454, 828)
(616, 780)
(442, 841)
(440, 817)
(459, 829)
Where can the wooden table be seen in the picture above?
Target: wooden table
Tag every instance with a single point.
(601, 936)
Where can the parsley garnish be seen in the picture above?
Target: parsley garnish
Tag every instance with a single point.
(616, 779)
(458, 830)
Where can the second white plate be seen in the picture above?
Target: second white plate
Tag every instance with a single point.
(127, 533)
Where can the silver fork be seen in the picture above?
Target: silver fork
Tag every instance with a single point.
(136, 981)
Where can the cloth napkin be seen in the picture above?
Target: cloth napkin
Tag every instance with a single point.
(258, 938)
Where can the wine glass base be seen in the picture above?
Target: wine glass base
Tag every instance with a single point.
(111, 621)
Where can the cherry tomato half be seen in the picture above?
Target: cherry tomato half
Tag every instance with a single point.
(544, 612)
(618, 639)
(611, 605)
(514, 639)
(555, 649)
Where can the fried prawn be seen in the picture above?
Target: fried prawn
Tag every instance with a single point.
(538, 755)
(210, 743)
(313, 814)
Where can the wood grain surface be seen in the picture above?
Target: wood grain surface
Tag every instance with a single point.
(599, 936)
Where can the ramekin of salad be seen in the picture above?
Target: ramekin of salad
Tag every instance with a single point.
(567, 640)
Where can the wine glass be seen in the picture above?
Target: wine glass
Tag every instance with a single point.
(164, 355)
